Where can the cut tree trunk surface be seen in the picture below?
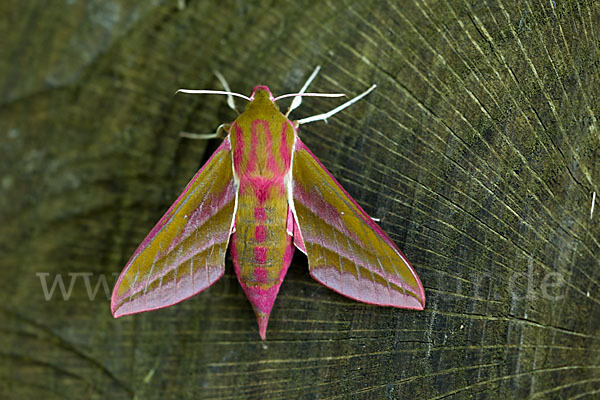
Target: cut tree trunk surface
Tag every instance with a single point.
(479, 151)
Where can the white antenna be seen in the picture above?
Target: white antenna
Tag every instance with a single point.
(324, 116)
(300, 95)
(206, 91)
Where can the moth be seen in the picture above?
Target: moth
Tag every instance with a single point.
(265, 191)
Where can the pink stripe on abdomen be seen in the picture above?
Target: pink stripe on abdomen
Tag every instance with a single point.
(260, 233)
(260, 214)
(260, 254)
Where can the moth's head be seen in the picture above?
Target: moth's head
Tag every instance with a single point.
(261, 97)
(261, 93)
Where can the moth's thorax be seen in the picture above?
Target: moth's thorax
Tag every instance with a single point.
(262, 139)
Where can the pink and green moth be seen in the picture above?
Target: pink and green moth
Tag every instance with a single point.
(264, 189)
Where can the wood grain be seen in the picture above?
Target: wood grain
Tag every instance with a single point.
(479, 151)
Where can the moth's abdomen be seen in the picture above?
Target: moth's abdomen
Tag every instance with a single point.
(261, 248)
(260, 241)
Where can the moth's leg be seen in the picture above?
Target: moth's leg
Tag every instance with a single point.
(324, 116)
(298, 100)
(220, 133)
(223, 82)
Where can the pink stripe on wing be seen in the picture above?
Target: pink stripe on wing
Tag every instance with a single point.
(315, 202)
(348, 285)
(210, 206)
(169, 293)
(141, 284)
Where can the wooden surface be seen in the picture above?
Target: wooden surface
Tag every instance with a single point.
(479, 151)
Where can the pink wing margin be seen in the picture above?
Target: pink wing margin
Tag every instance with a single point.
(185, 252)
(346, 250)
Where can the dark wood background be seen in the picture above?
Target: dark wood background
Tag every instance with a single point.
(479, 151)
